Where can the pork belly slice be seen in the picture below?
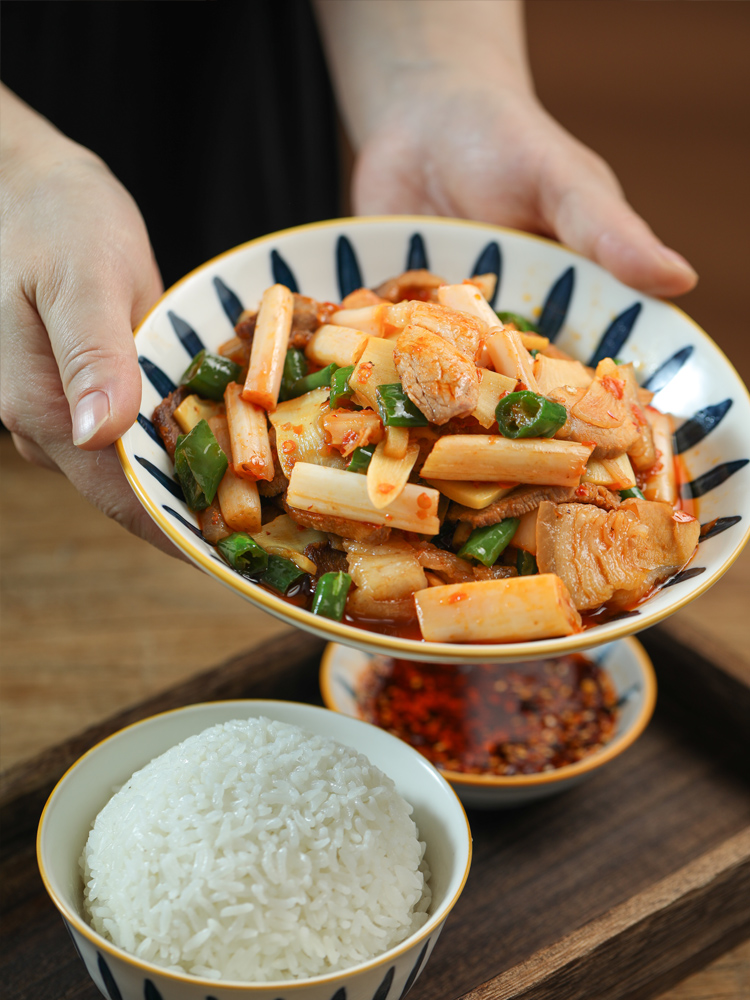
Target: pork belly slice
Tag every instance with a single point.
(613, 557)
(415, 284)
(454, 569)
(609, 442)
(362, 531)
(441, 381)
(164, 421)
(524, 499)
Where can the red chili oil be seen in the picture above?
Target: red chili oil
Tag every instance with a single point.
(493, 718)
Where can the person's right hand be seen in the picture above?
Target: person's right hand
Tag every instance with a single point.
(78, 274)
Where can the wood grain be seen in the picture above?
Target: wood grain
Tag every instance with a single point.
(648, 859)
(659, 933)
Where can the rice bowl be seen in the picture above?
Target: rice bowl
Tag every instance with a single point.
(89, 784)
(256, 851)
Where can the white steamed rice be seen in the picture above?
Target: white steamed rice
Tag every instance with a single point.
(256, 851)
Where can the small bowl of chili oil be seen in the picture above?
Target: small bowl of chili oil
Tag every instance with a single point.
(502, 733)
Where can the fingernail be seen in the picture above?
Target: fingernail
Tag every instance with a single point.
(677, 260)
(90, 413)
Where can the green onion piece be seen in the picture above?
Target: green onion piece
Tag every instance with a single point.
(527, 414)
(330, 595)
(281, 574)
(630, 494)
(316, 380)
(526, 563)
(243, 553)
(208, 375)
(361, 458)
(520, 322)
(396, 409)
(486, 544)
(199, 464)
(295, 368)
(340, 386)
(534, 351)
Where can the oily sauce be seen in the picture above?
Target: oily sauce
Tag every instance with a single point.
(493, 718)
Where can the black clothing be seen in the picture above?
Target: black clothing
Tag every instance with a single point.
(217, 117)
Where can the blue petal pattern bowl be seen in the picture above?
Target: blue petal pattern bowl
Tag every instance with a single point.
(576, 303)
(90, 782)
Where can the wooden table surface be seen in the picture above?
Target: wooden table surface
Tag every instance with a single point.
(93, 620)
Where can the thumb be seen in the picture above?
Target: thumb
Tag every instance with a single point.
(90, 324)
(588, 212)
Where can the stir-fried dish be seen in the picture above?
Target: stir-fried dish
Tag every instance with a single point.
(411, 461)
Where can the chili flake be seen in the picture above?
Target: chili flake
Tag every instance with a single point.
(492, 718)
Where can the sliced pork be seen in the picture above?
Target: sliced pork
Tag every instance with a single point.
(524, 499)
(613, 557)
(441, 381)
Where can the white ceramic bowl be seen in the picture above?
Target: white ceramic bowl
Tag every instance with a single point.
(89, 783)
(575, 301)
(627, 663)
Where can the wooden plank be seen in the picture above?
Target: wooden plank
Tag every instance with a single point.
(646, 944)
(635, 858)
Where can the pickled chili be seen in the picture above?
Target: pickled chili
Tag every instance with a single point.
(632, 494)
(526, 563)
(340, 388)
(396, 409)
(209, 374)
(199, 464)
(361, 458)
(281, 574)
(315, 380)
(295, 368)
(486, 544)
(243, 553)
(526, 414)
(330, 595)
(520, 322)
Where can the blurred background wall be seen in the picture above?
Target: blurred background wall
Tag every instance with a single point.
(661, 90)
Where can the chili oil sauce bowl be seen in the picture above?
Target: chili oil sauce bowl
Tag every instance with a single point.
(575, 303)
(89, 784)
(344, 669)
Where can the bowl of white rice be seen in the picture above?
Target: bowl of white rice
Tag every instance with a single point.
(260, 849)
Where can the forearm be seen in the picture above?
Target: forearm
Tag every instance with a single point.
(385, 52)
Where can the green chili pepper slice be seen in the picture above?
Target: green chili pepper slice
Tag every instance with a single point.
(243, 553)
(340, 386)
(316, 380)
(208, 375)
(526, 414)
(199, 464)
(526, 563)
(361, 458)
(520, 322)
(486, 544)
(295, 368)
(281, 574)
(396, 409)
(330, 595)
(633, 493)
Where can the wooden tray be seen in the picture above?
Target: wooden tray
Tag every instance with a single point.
(616, 889)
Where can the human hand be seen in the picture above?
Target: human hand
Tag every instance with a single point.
(439, 102)
(500, 158)
(77, 275)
